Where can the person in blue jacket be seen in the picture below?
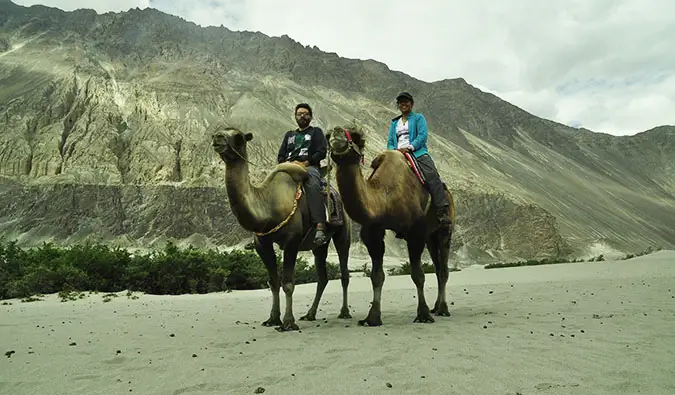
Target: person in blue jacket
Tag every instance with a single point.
(408, 133)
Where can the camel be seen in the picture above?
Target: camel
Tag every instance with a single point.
(277, 212)
(391, 198)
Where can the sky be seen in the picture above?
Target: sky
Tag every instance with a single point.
(606, 65)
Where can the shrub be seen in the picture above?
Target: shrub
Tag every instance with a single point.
(530, 262)
(405, 269)
(99, 268)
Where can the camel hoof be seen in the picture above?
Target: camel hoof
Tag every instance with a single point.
(288, 327)
(345, 315)
(272, 322)
(441, 310)
(308, 317)
(370, 322)
(424, 318)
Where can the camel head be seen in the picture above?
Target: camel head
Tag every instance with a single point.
(346, 143)
(230, 143)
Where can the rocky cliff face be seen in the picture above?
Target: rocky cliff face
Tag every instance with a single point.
(103, 124)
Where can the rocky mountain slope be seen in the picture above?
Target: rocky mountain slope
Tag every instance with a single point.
(103, 135)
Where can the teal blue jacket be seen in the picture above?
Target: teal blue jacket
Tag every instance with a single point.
(417, 127)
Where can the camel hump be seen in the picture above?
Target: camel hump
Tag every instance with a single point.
(388, 156)
(297, 173)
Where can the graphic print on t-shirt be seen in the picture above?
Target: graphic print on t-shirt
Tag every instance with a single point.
(298, 145)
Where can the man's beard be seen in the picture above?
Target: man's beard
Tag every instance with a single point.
(303, 123)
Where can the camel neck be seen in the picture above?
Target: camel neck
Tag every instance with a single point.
(243, 196)
(357, 197)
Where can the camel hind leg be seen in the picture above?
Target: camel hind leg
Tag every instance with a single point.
(320, 253)
(342, 241)
(438, 246)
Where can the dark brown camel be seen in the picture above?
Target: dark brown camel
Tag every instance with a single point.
(277, 212)
(391, 198)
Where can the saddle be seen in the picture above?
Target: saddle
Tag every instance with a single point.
(334, 212)
(332, 205)
(332, 202)
(415, 167)
(334, 216)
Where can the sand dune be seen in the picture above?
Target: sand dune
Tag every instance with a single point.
(591, 328)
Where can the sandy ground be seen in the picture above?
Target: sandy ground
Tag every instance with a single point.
(591, 328)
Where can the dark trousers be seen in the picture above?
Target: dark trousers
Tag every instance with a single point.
(315, 198)
(433, 182)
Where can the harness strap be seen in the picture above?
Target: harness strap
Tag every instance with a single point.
(349, 139)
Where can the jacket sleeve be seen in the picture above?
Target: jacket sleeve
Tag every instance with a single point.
(422, 131)
(281, 156)
(391, 139)
(318, 148)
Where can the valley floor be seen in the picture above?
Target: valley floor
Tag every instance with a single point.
(590, 328)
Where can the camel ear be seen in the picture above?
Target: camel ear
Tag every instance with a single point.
(248, 136)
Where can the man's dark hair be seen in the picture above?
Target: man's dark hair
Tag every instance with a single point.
(305, 106)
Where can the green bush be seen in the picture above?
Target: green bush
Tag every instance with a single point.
(99, 268)
(406, 269)
(534, 262)
(648, 251)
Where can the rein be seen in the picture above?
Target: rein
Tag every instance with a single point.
(241, 156)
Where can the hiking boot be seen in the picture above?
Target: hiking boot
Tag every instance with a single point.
(320, 237)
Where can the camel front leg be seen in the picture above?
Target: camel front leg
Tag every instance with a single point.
(266, 253)
(373, 238)
(438, 246)
(288, 285)
(320, 255)
(415, 248)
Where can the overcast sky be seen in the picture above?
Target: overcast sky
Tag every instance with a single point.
(606, 65)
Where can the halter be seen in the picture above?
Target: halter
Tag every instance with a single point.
(351, 146)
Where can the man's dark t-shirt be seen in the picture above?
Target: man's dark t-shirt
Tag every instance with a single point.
(306, 145)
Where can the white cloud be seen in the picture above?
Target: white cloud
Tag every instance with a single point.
(606, 65)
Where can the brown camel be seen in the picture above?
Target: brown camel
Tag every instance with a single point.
(391, 198)
(277, 212)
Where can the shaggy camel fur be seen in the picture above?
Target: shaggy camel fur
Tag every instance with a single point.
(273, 211)
(391, 198)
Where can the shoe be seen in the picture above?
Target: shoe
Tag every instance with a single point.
(320, 237)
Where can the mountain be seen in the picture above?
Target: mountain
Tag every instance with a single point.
(103, 123)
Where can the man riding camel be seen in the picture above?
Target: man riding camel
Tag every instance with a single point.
(307, 146)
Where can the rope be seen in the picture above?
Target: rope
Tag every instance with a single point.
(330, 167)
